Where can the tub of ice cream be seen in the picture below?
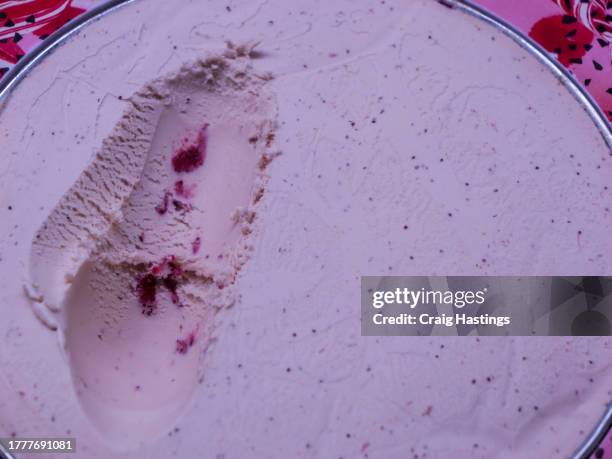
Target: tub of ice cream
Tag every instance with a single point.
(188, 213)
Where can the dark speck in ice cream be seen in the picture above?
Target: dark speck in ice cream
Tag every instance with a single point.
(196, 244)
(171, 283)
(180, 206)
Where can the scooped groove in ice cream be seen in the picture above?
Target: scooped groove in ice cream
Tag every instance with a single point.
(142, 251)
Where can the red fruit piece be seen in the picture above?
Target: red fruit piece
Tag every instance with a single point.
(183, 190)
(166, 273)
(162, 208)
(147, 293)
(190, 157)
(183, 345)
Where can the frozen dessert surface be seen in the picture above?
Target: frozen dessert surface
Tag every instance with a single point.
(155, 226)
(197, 175)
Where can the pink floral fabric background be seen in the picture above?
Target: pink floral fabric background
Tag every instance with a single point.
(577, 32)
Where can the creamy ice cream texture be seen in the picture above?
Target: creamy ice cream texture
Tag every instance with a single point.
(168, 183)
(159, 217)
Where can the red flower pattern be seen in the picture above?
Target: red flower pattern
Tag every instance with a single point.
(575, 37)
(20, 18)
(569, 41)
